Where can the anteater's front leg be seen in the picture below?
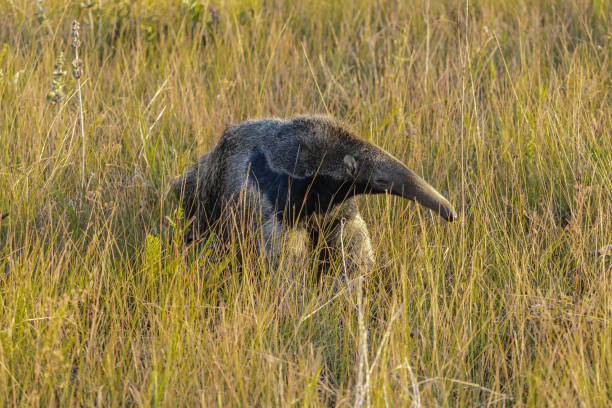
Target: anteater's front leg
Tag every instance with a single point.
(345, 236)
(286, 247)
(351, 239)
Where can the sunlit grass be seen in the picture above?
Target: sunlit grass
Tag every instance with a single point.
(505, 107)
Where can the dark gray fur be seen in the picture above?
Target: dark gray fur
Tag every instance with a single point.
(294, 178)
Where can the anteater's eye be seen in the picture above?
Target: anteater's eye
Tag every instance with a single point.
(351, 165)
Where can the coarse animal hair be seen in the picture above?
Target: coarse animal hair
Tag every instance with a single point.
(304, 174)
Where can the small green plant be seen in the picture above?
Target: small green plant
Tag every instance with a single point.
(57, 93)
(152, 254)
(41, 15)
(77, 72)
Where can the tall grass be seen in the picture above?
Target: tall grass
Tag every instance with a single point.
(503, 106)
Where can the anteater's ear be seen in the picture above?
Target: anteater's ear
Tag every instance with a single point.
(352, 167)
(291, 153)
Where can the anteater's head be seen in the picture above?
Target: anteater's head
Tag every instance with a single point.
(322, 149)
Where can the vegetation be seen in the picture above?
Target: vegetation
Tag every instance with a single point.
(505, 107)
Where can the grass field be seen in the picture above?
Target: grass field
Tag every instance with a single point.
(504, 106)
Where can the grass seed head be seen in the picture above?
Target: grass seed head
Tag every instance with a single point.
(77, 63)
(57, 85)
(75, 34)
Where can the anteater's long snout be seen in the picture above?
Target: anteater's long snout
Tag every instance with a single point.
(401, 181)
(413, 187)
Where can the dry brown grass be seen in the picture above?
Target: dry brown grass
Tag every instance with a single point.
(503, 106)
